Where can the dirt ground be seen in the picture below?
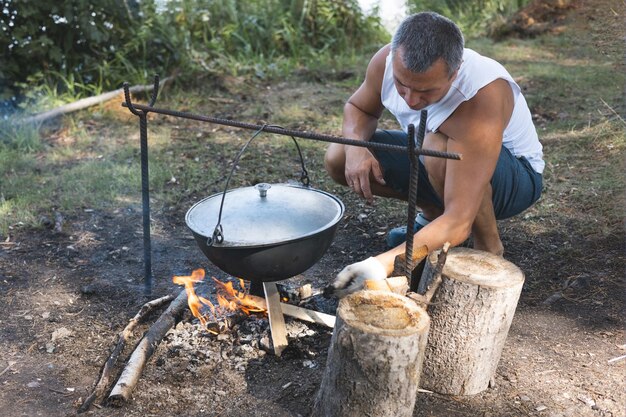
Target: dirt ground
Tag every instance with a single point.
(65, 295)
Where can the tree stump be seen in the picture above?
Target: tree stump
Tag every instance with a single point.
(470, 314)
(375, 357)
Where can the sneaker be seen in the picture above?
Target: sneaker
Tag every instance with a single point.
(397, 235)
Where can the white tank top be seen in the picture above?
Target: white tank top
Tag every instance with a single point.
(520, 136)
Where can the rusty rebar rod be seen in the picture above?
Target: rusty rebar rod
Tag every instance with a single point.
(296, 133)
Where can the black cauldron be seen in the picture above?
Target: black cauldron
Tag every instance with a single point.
(266, 232)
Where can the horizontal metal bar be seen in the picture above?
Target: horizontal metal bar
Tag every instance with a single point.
(296, 133)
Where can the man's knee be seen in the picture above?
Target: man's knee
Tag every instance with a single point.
(436, 167)
(334, 162)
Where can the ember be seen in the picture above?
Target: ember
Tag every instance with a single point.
(228, 298)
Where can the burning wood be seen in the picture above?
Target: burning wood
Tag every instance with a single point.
(229, 300)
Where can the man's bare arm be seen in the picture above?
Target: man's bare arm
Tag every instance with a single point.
(474, 130)
(360, 119)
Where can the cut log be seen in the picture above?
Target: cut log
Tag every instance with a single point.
(375, 357)
(125, 385)
(470, 313)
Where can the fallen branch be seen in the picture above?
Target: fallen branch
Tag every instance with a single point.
(619, 358)
(11, 363)
(105, 375)
(619, 116)
(87, 102)
(125, 385)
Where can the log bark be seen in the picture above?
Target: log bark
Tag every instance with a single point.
(125, 385)
(375, 357)
(103, 382)
(470, 313)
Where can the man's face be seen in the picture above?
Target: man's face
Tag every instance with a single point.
(421, 89)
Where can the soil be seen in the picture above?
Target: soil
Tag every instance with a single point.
(66, 294)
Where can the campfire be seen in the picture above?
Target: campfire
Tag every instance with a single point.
(229, 300)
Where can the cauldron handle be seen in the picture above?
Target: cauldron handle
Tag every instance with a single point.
(218, 232)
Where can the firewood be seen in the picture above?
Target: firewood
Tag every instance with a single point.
(299, 313)
(471, 313)
(125, 385)
(431, 279)
(398, 285)
(375, 357)
(103, 382)
(275, 317)
(399, 262)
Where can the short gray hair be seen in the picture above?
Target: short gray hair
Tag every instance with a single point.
(424, 38)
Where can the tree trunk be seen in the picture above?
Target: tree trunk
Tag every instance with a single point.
(470, 314)
(375, 357)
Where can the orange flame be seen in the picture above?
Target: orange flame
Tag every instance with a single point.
(229, 299)
(195, 302)
(233, 300)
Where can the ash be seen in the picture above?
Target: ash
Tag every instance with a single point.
(241, 340)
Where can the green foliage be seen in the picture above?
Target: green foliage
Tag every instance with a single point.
(43, 40)
(83, 47)
(474, 17)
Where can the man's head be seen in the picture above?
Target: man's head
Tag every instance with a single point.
(427, 51)
(425, 37)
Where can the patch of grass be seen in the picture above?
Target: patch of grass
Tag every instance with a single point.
(15, 135)
(584, 177)
(565, 89)
(82, 167)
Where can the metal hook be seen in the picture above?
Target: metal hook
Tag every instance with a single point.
(155, 90)
(129, 104)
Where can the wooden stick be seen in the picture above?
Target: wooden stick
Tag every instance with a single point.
(87, 102)
(300, 313)
(275, 316)
(105, 374)
(11, 363)
(619, 358)
(125, 385)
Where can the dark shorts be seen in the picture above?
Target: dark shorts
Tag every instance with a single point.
(516, 185)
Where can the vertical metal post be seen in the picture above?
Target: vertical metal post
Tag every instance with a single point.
(412, 145)
(145, 180)
(145, 203)
(412, 201)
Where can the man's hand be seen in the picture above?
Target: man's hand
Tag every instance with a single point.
(360, 166)
(352, 277)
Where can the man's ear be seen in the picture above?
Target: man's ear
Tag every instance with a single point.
(453, 76)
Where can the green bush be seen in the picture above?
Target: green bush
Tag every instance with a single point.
(82, 47)
(474, 17)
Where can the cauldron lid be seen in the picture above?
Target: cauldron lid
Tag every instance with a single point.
(286, 212)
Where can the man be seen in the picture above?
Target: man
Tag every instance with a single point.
(475, 108)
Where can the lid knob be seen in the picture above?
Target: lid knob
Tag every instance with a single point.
(262, 187)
